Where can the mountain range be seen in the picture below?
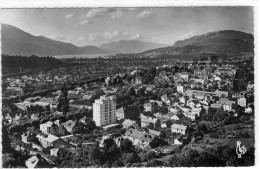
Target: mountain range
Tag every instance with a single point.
(18, 42)
(131, 46)
(225, 43)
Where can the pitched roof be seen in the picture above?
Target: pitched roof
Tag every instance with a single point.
(147, 105)
(128, 122)
(148, 119)
(226, 102)
(146, 137)
(69, 124)
(37, 162)
(47, 100)
(216, 105)
(177, 126)
(49, 138)
(120, 110)
(154, 132)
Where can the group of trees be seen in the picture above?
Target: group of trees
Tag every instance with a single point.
(12, 64)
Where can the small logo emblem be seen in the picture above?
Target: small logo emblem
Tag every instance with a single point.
(240, 150)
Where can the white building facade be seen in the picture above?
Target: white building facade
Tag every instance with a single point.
(104, 111)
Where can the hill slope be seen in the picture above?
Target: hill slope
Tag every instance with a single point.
(131, 46)
(17, 42)
(228, 42)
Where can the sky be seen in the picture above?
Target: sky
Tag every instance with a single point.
(95, 26)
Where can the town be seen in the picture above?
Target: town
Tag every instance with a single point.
(123, 112)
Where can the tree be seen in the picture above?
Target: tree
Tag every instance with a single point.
(8, 160)
(140, 92)
(6, 143)
(129, 158)
(113, 152)
(64, 108)
(126, 145)
(131, 91)
(91, 125)
(94, 155)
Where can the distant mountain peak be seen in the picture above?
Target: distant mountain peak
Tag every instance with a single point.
(131, 46)
(18, 42)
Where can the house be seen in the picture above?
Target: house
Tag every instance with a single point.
(241, 102)
(37, 161)
(87, 96)
(190, 115)
(248, 110)
(147, 107)
(154, 132)
(27, 137)
(176, 128)
(35, 116)
(120, 113)
(227, 104)
(238, 95)
(127, 123)
(221, 93)
(142, 139)
(69, 125)
(177, 142)
(54, 128)
(250, 87)
(48, 101)
(171, 115)
(216, 105)
(58, 151)
(165, 99)
(183, 75)
(146, 120)
(196, 110)
(48, 140)
(180, 89)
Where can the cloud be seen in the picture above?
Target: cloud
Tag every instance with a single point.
(86, 22)
(68, 16)
(164, 39)
(115, 36)
(58, 37)
(144, 13)
(187, 35)
(111, 12)
(74, 40)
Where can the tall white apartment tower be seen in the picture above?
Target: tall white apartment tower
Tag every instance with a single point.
(104, 110)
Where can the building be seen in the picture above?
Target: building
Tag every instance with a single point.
(241, 102)
(120, 113)
(180, 89)
(37, 161)
(227, 104)
(226, 71)
(27, 137)
(190, 115)
(142, 139)
(183, 75)
(147, 107)
(176, 128)
(221, 93)
(146, 120)
(58, 151)
(54, 128)
(216, 106)
(104, 111)
(248, 110)
(48, 140)
(69, 125)
(127, 123)
(165, 99)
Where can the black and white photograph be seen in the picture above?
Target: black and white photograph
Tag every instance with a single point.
(128, 87)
